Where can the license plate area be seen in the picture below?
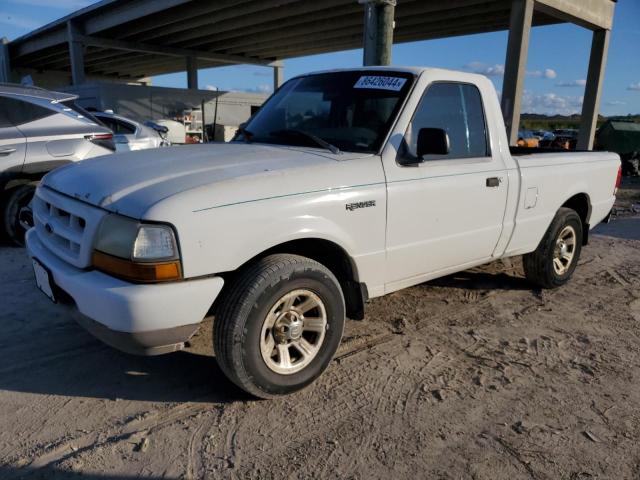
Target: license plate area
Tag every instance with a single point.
(43, 279)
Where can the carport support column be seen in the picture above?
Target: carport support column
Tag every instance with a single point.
(5, 63)
(515, 65)
(76, 54)
(278, 76)
(593, 90)
(378, 31)
(192, 73)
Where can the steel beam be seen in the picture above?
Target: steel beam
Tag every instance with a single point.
(225, 36)
(266, 9)
(290, 22)
(593, 90)
(192, 73)
(516, 65)
(76, 53)
(412, 14)
(127, 12)
(56, 34)
(171, 51)
(592, 14)
(168, 20)
(414, 25)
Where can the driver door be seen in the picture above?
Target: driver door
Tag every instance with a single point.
(444, 212)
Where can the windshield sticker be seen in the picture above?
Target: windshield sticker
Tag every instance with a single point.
(381, 83)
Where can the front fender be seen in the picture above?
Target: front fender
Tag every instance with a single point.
(222, 239)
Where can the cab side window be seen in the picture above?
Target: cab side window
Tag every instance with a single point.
(457, 109)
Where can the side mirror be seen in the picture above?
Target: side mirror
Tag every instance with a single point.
(432, 141)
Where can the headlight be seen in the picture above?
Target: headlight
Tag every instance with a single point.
(137, 251)
(155, 242)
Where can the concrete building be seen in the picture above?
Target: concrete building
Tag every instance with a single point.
(130, 40)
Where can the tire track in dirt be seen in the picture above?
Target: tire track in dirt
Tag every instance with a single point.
(344, 376)
(390, 390)
(67, 448)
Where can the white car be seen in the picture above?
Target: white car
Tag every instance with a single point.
(130, 135)
(346, 185)
(39, 131)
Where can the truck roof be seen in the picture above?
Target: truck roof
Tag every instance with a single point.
(405, 69)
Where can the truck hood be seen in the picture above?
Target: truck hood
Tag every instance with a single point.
(130, 183)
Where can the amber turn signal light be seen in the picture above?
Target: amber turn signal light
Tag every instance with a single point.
(135, 271)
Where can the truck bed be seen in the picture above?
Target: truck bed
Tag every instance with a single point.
(521, 151)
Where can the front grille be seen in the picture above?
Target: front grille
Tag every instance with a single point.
(66, 226)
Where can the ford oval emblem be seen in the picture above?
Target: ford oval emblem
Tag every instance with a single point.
(48, 228)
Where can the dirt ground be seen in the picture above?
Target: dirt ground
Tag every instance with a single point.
(474, 376)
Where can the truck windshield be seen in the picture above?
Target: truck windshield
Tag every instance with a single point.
(350, 111)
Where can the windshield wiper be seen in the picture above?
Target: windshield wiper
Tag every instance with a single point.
(310, 136)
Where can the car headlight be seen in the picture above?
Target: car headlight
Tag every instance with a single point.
(140, 252)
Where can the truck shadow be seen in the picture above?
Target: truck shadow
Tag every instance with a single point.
(71, 363)
(50, 472)
(87, 368)
(482, 280)
(627, 228)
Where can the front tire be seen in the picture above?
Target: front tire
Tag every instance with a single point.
(279, 325)
(552, 264)
(14, 200)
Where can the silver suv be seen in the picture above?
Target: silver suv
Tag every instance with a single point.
(39, 131)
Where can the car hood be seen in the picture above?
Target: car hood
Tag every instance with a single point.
(130, 183)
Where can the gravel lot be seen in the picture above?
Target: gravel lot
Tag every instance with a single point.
(474, 376)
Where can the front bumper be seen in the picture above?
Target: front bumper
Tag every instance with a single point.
(141, 319)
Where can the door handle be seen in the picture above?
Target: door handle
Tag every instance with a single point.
(7, 151)
(493, 182)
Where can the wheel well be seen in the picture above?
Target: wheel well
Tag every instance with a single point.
(582, 206)
(336, 259)
(15, 182)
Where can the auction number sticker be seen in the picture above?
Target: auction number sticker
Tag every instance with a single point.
(380, 83)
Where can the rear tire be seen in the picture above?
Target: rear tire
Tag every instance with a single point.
(14, 200)
(552, 264)
(279, 324)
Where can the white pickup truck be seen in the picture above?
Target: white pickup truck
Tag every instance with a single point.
(346, 185)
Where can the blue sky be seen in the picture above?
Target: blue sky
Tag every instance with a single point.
(557, 67)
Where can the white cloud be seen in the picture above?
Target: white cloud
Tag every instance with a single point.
(548, 73)
(263, 88)
(211, 87)
(572, 83)
(496, 70)
(615, 103)
(551, 103)
(634, 86)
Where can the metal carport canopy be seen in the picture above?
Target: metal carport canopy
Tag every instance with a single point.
(139, 38)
